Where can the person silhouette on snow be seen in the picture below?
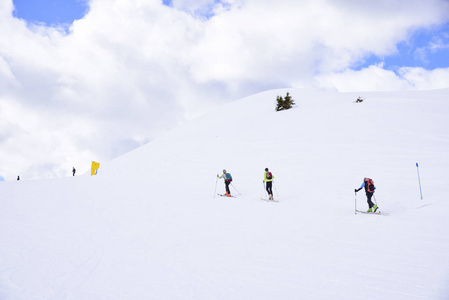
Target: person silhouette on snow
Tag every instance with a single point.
(268, 178)
(368, 184)
(73, 171)
(227, 179)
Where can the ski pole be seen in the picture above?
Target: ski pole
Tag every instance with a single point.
(419, 180)
(215, 192)
(264, 189)
(374, 199)
(277, 194)
(355, 203)
(235, 188)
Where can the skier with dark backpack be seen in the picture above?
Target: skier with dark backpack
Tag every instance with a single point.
(227, 179)
(368, 184)
(268, 178)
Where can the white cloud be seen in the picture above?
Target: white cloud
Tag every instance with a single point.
(131, 69)
(298, 39)
(7, 78)
(420, 78)
(376, 78)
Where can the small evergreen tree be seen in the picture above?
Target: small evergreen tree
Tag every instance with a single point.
(286, 103)
(280, 103)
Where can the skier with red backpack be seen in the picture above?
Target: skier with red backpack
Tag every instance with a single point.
(268, 178)
(368, 184)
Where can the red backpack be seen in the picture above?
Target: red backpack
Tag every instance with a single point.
(369, 185)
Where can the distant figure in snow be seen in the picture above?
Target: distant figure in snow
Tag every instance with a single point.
(227, 179)
(18, 177)
(73, 171)
(268, 178)
(368, 184)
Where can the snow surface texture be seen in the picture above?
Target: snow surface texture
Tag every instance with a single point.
(149, 225)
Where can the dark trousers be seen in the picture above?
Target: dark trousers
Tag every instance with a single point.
(227, 183)
(369, 195)
(269, 187)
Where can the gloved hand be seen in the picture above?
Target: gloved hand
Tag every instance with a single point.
(356, 190)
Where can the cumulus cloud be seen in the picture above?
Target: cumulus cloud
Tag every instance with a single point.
(129, 70)
(426, 79)
(376, 78)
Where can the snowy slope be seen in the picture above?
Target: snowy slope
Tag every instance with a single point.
(149, 225)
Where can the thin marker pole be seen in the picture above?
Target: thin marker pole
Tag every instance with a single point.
(419, 180)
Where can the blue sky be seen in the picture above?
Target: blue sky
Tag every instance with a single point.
(50, 11)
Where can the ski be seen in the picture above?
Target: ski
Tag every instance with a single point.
(268, 200)
(223, 195)
(369, 212)
(378, 212)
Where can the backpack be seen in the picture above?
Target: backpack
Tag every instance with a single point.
(369, 186)
(228, 177)
(269, 175)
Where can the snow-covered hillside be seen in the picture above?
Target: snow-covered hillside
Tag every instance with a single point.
(150, 226)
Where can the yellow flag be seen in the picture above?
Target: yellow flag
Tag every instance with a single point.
(95, 166)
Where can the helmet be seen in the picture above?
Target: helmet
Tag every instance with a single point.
(266, 169)
(224, 170)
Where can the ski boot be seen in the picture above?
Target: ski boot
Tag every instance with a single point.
(370, 210)
(375, 208)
